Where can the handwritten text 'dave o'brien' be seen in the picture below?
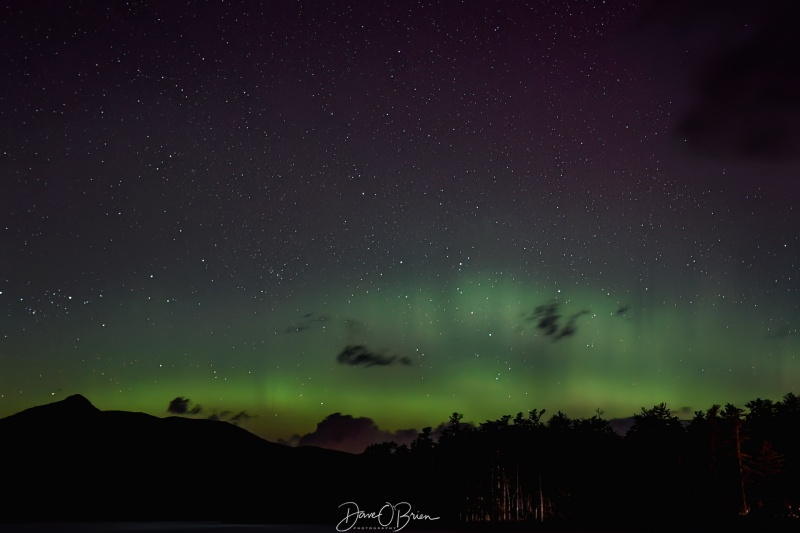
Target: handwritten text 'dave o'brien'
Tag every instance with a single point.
(390, 517)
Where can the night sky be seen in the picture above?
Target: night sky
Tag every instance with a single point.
(377, 213)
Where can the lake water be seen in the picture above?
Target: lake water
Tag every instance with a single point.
(161, 527)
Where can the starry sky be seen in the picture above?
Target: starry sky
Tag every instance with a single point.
(291, 212)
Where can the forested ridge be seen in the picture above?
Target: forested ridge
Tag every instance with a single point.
(730, 468)
(725, 462)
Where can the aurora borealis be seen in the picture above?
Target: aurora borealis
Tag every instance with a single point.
(295, 209)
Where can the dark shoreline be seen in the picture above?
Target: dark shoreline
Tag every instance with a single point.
(737, 525)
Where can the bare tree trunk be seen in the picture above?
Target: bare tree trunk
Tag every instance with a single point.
(541, 499)
(745, 509)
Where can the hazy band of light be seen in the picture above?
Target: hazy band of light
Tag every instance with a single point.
(473, 345)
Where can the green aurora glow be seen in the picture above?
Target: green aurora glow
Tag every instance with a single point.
(473, 347)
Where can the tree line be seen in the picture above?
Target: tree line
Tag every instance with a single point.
(725, 462)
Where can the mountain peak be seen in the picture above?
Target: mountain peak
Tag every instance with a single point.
(77, 402)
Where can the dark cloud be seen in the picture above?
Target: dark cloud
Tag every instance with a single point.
(349, 434)
(183, 406)
(570, 327)
(240, 417)
(546, 317)
(747, 90)
(225, 416)
(360, 355)
(548, 320)
(178, 406)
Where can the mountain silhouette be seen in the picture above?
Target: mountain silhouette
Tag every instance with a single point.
(70, 461)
